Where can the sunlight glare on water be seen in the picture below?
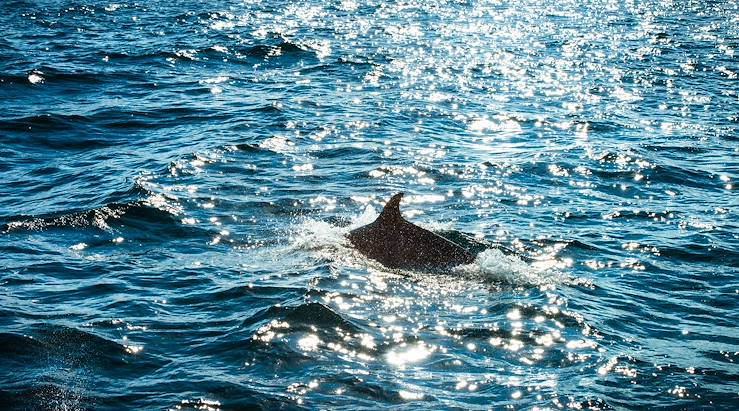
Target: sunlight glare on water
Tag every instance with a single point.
(179, 179)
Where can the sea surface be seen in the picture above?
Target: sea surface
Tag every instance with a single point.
(177, 179)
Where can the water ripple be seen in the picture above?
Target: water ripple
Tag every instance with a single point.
(177, 181)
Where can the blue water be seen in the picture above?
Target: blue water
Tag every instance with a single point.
(177, 178)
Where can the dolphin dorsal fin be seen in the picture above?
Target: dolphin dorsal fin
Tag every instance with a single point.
(391, 212)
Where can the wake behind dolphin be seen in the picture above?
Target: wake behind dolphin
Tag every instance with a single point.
(397, 243)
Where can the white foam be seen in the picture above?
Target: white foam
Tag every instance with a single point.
(491, 266)
(318, 235)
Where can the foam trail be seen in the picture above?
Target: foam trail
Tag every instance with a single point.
(492, 265)
(495, 266)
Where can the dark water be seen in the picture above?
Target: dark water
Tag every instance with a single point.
(176, 179)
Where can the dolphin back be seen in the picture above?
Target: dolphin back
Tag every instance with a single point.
(397, 243)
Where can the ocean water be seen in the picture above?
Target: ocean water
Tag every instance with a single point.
(177, 179)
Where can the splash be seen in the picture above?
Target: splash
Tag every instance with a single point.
(493, 265)
(327, 241)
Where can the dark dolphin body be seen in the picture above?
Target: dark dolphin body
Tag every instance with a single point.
(396, 243)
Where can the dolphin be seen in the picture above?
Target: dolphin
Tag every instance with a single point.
(397, 243)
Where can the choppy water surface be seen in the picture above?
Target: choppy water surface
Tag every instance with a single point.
(177, 178)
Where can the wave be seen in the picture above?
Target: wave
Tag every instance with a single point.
(99, 120)
(283, 48)
(57, 366)
(48, 344)
(317, 314)
(146, 220)
(51, 75)
(304, 317)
